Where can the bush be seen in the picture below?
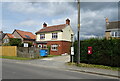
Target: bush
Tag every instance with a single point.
(105, 52)
(15, 42)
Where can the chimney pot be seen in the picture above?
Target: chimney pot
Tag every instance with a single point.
(44, 25)
(67, 21)
(107, 20)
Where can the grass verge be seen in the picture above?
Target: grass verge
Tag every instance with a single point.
(15, 58)
(95, 66)
(21, 58)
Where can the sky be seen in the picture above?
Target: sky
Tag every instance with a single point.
(29, 16)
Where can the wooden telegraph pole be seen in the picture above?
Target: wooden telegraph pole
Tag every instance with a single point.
(78, 52)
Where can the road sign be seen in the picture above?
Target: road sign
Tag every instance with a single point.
(72, 50)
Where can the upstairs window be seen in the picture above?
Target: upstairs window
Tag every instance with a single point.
(42, 36)
(54, 35)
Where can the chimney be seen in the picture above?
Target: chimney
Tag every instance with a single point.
(107, 21)
(67, 21)
(44, 25)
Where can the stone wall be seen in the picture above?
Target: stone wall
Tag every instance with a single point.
(28, 52)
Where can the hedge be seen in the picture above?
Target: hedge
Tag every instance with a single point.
(105, 52)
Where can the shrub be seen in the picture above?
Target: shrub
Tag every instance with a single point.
(15, 42)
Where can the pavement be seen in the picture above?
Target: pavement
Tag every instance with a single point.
(60, 62)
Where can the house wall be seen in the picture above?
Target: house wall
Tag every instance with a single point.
(107, 35)
(62, 36)
(17, 36)
(63, 47)
(6, 38)
(66, 35)
(48, 37)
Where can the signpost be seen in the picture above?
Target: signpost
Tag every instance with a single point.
(72, 53)
(25, 44)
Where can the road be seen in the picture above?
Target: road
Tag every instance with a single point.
(28, 71)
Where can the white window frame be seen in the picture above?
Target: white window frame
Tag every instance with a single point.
(42, 36)
(115, 33)
(54, 47)
(40, 45)
(54, 35)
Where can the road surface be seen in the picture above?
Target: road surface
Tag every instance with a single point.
(28, 71)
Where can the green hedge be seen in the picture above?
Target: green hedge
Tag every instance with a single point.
(105, 52)
(15, 41)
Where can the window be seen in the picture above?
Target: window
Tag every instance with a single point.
(42, 36)
(54, 47)
(44, 46)
(54, 35)
(118, 33)
(6, 40)
(115, 34)
(112, 34)
(27, 36)
(40, 45)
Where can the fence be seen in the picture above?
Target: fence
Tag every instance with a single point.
(8, 51)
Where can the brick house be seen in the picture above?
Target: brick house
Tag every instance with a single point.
(26, 37)
(112, 29)
(57, 37)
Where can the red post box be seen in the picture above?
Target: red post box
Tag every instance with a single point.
(89, 50)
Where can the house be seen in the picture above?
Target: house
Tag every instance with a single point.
(57, 38)
(26, 37)
(1, 37)
(7, 37)
(112, 29)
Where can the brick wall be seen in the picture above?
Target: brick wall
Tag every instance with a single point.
(63, 47)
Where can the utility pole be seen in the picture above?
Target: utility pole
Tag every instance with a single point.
(78, 52)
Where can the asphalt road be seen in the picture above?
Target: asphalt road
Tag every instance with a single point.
(29, 71)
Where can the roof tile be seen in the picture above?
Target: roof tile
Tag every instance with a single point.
(27, 35)
(52, 28)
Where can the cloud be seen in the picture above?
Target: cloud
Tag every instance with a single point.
(92, 15)
(29, 23)
(43, 8)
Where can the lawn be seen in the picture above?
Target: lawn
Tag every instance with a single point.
(95, 66)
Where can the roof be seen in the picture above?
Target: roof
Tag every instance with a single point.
(10, 35)
(25, 34)
(52, 28)
(113, 25)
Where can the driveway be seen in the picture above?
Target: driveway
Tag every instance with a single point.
(56, 62)
(63, 58)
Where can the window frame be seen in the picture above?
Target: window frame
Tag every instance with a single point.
(54, 47)
(42, 37)
(115, 34)
(54, 35)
